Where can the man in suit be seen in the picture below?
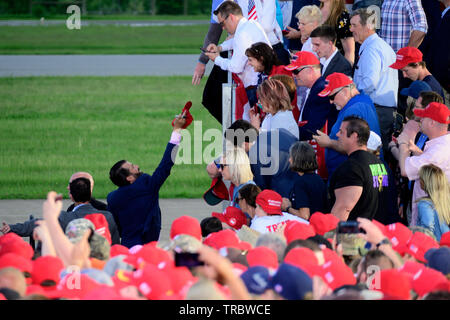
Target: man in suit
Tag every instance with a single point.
(323, 40)
(80, 193)
(316, 110)
(99, 205)
(135, 203)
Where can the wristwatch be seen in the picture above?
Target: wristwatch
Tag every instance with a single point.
(384, 241)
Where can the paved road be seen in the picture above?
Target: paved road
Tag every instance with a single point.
(15, 211)
(99, 65)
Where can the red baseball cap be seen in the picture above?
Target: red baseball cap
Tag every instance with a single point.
(152, 282)
(19, 247)
(270, 201)
(336, 274)
(232, 216)
(262, 256)
(47, 268)
(180, 278)
(406, 56)
(427, 280)
(418, 245)
(188, 115)
(216, 193)
(118, 249)
(297, 230)
(186, 225)
(101, 225)
(304, 58)
(437, 111)
(398, 234)
(334, 81)
(305, 259)
(323, 222)
(224, 239)
(149, 254)
(445, 239)
(392, 283)
(18, 262)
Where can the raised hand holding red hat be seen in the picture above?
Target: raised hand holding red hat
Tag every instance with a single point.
(185, 113)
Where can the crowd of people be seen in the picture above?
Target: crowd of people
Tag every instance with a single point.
(337, 173)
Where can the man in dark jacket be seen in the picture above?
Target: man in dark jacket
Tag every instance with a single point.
(80, 193)
(317, 110)
(135, 204)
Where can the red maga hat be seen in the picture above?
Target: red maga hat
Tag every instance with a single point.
(186, 225)
(406, 56)
(216, 193)
(187, 114)
(262, 256)
(232, 216)
(323, 222)
(334, 81)
(270, 202)
(304, 58)
(437, 111)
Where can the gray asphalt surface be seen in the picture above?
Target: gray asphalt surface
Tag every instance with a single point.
(99, 65)
(17, 211)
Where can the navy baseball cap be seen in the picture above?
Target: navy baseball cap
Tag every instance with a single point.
(256, 279)
(291, 283)
(415, 88)
(439, 259)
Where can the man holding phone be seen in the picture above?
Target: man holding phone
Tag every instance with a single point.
(245, 33)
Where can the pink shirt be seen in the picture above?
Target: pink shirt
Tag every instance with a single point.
(437, 152)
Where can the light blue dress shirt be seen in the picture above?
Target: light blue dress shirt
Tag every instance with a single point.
(373, 74)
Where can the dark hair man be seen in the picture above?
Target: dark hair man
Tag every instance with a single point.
(135, 204)
(356, 184)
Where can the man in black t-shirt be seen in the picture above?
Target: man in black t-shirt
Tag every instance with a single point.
(356, 184)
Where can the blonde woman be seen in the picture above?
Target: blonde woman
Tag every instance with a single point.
(275, 102)
(235, 167)
(334, 14)
(309, 18)
(434, 210)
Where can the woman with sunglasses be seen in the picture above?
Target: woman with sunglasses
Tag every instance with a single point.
(235, 167)
(274, 100)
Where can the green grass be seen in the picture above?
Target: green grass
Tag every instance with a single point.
(108, 17)
(102, 40)
(51, 127)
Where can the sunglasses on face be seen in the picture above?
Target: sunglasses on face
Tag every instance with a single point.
(223, 21)
(222, 165)
(297, 71)
(333, 96)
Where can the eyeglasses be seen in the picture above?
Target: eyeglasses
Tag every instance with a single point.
(223, 21)
(297, 71)
(333, 96)
(222, 165)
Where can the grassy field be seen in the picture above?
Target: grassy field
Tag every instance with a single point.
(111, 39)
(51, 127)
(108, 17)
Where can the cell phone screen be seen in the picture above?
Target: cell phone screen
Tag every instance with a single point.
(187, 259)
(347, 236)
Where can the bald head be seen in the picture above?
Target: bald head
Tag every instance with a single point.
(82, 174)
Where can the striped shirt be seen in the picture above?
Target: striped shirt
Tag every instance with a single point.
(398, 19)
